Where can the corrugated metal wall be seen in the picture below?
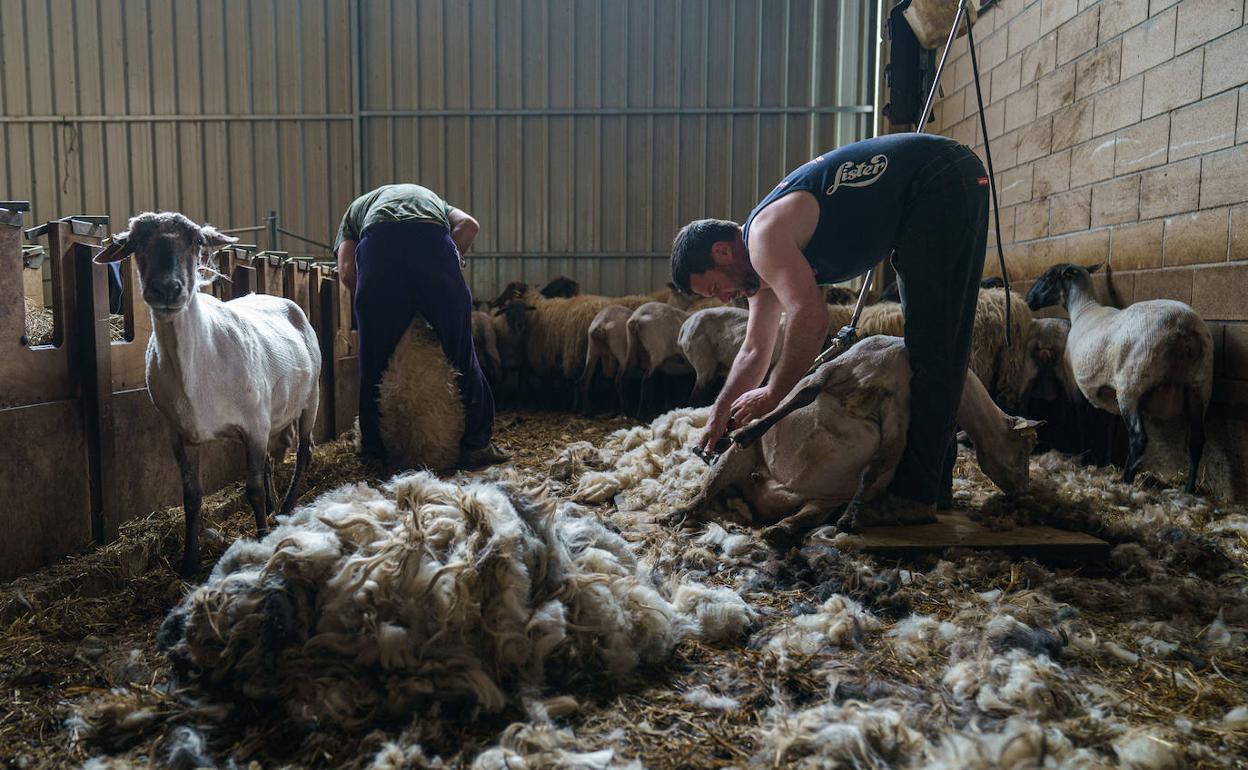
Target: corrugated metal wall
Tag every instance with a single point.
(582, 133)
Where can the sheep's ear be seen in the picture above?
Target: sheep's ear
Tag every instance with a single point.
(116, 249)
(215, 238)
(1028, 427)
(1093, 268)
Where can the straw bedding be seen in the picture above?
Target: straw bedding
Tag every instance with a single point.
(817, 657)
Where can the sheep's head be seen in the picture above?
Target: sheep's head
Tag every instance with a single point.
(512, 334)
(1053, 287)
(1008, 465)
(170, 249)
(562, 286)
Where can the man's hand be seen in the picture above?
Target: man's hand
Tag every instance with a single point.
(752, 405)
(716, 424)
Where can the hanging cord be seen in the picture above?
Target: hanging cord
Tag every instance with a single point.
(992, 177)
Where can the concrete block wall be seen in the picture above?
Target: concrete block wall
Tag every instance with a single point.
(1119, 133)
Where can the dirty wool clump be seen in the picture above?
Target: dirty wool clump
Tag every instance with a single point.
(421, 411)
(369, 603)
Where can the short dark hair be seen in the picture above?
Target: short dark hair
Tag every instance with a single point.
(691, 251)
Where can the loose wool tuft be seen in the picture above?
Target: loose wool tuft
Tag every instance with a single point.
(422, 412)
(369, 603)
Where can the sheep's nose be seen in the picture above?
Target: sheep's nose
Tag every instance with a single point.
(167, 291)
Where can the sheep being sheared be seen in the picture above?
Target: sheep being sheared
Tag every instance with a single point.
(837, 439)
(247, 369)
(1152, 358)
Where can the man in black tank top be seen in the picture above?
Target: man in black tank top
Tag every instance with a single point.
(922, 198)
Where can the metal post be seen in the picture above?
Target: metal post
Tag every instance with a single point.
(270, 224)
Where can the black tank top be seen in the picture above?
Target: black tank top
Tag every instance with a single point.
(862, 189)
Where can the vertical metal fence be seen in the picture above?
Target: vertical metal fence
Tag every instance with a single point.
(582, 133)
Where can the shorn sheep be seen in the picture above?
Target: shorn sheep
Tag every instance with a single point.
(607, 350)
(653, 346)
(246, 369)
(710, 339)
(837, 439)
(1153, 358)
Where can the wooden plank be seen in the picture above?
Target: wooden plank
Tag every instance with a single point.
(955, 530)
(46, 511)
(94, 364)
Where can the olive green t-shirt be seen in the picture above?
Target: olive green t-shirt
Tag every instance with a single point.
(392, 203)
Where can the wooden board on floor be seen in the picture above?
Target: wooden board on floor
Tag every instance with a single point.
(956, 530)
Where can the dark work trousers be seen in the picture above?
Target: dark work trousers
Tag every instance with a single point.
(940, 258)
(402, 269)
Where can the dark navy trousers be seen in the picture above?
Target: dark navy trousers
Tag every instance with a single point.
(939, 259)
(403, 269)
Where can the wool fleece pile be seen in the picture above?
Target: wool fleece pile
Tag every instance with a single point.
(370, 603)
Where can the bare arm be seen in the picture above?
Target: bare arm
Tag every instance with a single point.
(346, 265)
(463, 229)
(750, 365)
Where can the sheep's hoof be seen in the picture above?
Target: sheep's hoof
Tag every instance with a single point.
(683, 518)
(746, 437)
(188, 567)
(848, 522)
(779, 537)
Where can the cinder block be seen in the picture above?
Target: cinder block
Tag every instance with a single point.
(1070, 211)
(1118, 16)
(1050, 175)
(1217, 330)
(994, 118)
(1117, 107)
(1226, 64)
(1005, 78)
(1078, 36)
(1098, 70)
(1035, 139)
(1200, 21)
(1239, 233)
(1204, 127)
(1149, 44)
(1173, 84)
(1092, 161)
(1199, 238)
(1142, 146)
(963, 72)
(1172, 189)
(1031, 220)
(1004, 152)
(1114, 289)
(1157, 6)
(1223, 175)
(1235, 351)
(1241, 132)
(1116, 201)
(1088, 248)
(1055, 13)
(990, 50)
(1015, 185)
(1024, 30)
(1055, 90)
(1135, 246)
(1020, 107)
(1164, 284)
(1007, 227)
(1039, 60)
(1072, 125)
(1218, 292)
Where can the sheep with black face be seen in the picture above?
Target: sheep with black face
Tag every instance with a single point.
(1153, 358)
(247, 369)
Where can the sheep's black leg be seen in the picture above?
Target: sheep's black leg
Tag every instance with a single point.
(192, 499)
(848, 522)
(302, 459)
(1138, 441)
(789, 530)
(257, 457)
(1194, 407)
(641, 398)
(621, 397)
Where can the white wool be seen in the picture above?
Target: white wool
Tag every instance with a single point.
(661, 450)
(702, 696)
(573, 460)
(1236, 718)
(421, 409)
(394, 755)
(1141, 751)
(1019, 745)
(1220, 635)
(444, 590)
(1012, 683)
(837, 621)
(918, 637)
(1120, 653)
(723, 616)
(1157, 647)
(538, 746)
(851, 735)
(731, 546)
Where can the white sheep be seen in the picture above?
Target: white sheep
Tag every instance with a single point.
(710, 339)
(653, 347)
(607, 349)
(1152, 358)
(247, 369)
